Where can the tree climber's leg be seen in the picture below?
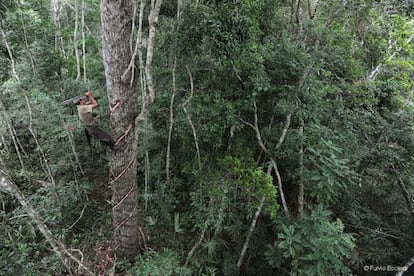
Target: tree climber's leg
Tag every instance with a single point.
(101, 135)
(88, 137)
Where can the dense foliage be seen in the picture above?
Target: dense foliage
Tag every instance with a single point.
(257, 95)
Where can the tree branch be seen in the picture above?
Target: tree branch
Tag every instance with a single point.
(201, 238)
(138, 42)
(149, 99)
(197, 244)
(152, 20)
(301, 191)
(408, 198)
(12, 62)
(406, 267)
(146, 177)
(83, 40)
(374, 73)
(251, 229)
(171, 118)
(190, 122)
(284, 131)
(75, 41)
(64, 255)
(171, 124)
(408, 98)
(256, 129)
(72, 146)
(43, 159)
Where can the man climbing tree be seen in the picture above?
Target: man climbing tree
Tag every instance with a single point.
(91, 128)
(117, 18)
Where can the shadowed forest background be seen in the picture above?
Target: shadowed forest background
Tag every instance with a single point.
(280, 140)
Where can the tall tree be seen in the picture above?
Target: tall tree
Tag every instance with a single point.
(118, 23)
(117, 18)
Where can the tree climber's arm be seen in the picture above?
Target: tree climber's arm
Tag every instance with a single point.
(92, 100)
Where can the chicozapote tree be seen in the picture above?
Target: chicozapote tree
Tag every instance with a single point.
(118, 23)
(117, 18)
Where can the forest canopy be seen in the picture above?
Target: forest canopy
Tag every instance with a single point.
(252, 137)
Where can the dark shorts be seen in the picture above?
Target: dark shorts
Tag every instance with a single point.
(98, 133)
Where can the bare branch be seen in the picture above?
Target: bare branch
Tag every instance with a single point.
(406, 267)
(190, 122)
(83, 40)
(297, 12)
(374, 73)
(146, 177)
(201, 238)
(75, 41)
(309, 9)
(310, 13)
(171, 118)
(152, 20)
(29, 51)
(280, 187)
(171, 124)
(138, 43)
(149, 99)
(143, 238)
(72, 146)
(79, 218)
(284, 131)
(15, 139)
(256, 129)
(12, 62)
(408, 98)
(43, 159)
(197, 244)
(59, 248)
(407, 196)
(301, 192)
(17, 145)
(251, 229)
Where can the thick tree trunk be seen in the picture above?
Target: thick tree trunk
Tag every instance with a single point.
(117, 17)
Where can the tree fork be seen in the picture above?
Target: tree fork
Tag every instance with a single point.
(262, 145)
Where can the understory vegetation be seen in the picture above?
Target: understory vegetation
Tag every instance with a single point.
(280, 142)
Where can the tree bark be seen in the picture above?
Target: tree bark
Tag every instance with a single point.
(117, 19)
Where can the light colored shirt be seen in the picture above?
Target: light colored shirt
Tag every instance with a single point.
(85, 114)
